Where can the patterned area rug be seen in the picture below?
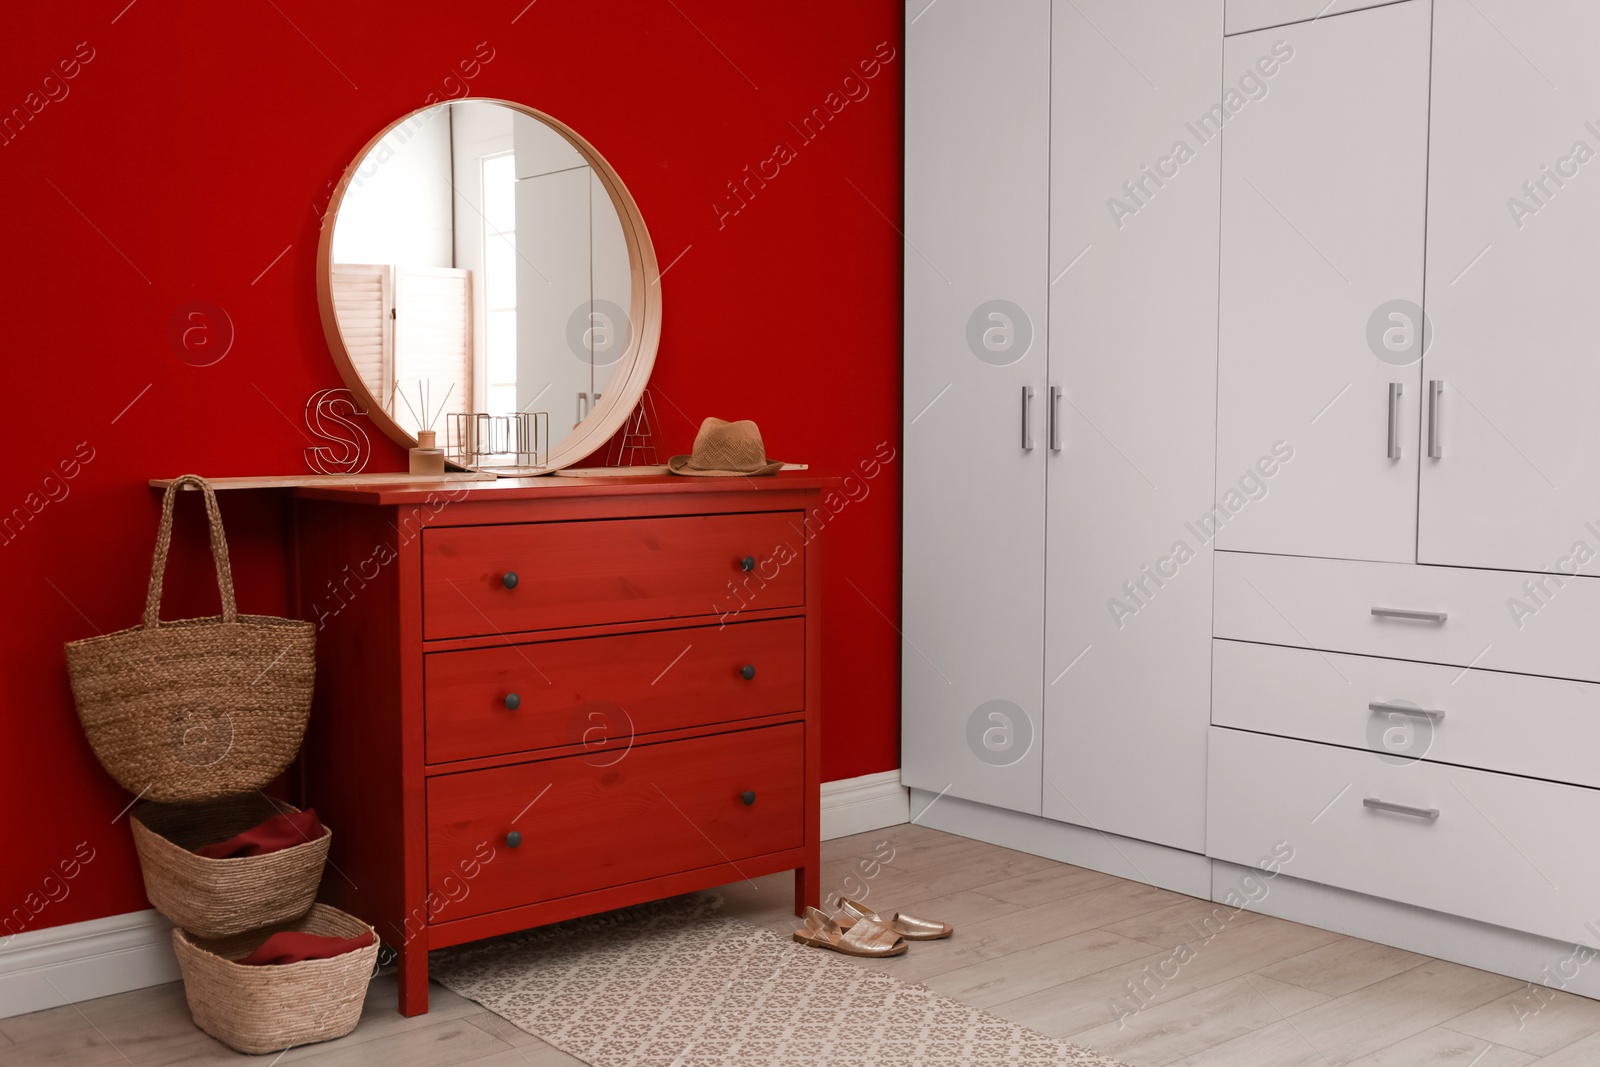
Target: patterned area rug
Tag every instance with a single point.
(677, 984)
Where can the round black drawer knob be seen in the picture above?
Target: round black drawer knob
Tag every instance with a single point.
(747, 564)
(509, 579)
(748, 670)
(748, 796)
(513, 702)
(513, 839)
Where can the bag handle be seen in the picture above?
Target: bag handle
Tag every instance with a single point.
(219, 551)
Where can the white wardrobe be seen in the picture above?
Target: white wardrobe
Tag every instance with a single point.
(1250, 489)
(1060, 374)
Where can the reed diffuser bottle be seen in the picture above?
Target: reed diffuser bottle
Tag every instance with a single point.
(426, 458)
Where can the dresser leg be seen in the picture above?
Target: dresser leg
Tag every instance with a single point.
(808, 886)
(414, 976)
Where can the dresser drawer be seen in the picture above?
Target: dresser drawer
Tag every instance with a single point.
(604, 691)
(1491, 620)
(586, 823)
(479, 580)
(1539, 727)
(1505, 850)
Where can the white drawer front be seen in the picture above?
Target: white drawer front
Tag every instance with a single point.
(1495, 620)
(1540, 727)
(1504, 850)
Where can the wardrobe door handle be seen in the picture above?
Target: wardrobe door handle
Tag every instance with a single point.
(1405, 709)
(1055, 418)
(748, 796)
(1395, 389)
(513, 839)
(509, 579)
(1027, 418)
(747, 564)
(1406, 613)
(513, 702)
(748, 671)
(1435, 388)
(1400, 809)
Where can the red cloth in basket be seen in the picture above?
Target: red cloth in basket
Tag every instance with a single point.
(291, 946)
(278, 832)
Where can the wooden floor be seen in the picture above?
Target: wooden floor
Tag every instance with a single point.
(1045, 944)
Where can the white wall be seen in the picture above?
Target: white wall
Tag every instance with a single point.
(478, 129)
(611, 279)
(405, 176)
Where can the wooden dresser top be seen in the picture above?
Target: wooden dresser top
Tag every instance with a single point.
(553, 488)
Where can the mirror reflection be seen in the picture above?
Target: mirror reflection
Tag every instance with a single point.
(479, 264)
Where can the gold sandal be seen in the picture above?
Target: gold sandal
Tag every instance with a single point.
(860, 938)
(907, 926)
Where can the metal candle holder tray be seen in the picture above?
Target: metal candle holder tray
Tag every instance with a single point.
(519, 441)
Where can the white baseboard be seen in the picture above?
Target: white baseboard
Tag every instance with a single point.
(80, 961)
(1140, 861)
(870, 802)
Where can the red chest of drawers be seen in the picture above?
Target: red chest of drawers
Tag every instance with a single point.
(542, 699)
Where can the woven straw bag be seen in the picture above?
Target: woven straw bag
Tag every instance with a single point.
(263, 1009)
(218, 898)
(200, 708)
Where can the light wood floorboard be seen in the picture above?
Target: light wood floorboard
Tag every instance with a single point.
(1366, 1021)
(1169, 1031)
(1037, 967)
(1446, 1048)
(1343, 967)
(1533, 1019)
(1150, 977)
(1183, 923)
(1585, 1053)
(1160, 978)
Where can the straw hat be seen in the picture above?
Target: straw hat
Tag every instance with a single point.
(725, 450)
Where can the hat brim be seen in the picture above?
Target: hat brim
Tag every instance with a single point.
(681, 465)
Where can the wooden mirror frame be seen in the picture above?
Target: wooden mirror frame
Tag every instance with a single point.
(632, 373)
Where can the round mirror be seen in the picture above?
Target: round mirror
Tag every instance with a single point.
(484, 274)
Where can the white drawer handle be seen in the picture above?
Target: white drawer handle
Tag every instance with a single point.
(1406, 613)
(1435, 388)
(1400, 809)
(1406, 709)
(1395, 389)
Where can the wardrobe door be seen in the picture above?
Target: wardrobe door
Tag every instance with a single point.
(1324, 184)
(976, 275)
(1133, 350)
(1513, 213)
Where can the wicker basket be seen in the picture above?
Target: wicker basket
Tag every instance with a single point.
(219, 898)
(201, 708)
(263, 1009)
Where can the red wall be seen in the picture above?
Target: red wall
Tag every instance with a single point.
(196, 144)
